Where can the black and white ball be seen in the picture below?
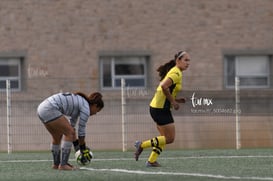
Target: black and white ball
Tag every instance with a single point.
(78, 157)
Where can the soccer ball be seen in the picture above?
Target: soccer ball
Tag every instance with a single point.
(78, 157)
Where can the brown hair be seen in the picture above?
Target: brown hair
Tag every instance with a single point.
(93, 98)
(163, 69)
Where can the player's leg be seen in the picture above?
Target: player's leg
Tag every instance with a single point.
(55, 145)
(56, 151)
(165, 126)
(59, 127)
(160, 117)
(168, 133)
(155, 142)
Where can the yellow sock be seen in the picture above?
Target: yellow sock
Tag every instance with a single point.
(159, 141)
(155, 153)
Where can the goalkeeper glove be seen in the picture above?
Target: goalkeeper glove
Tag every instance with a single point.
(86, 156)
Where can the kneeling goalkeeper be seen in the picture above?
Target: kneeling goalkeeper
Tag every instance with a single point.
(53, 111)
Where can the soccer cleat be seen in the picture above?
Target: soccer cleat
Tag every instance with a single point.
(154, 164)
(138, 149)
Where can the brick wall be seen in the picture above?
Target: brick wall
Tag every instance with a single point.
(63, 38)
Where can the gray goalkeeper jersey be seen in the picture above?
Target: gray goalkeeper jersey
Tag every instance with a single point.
(73, 106)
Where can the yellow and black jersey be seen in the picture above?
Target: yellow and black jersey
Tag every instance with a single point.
(159, 100)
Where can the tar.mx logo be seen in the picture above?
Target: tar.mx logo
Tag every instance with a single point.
(195, 101)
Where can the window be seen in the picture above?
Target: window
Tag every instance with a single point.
(252, 71)
(10, 68)
(132, 68)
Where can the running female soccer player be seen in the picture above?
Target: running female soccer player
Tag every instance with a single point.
(163, 100)
(52, 112)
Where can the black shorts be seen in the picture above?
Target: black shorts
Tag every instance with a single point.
(161, 116)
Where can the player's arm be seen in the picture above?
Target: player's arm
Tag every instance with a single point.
(83, 118)
(81, 140)
(79, 144)
(86, 157)
(81, 134)
(181, 100)
(165, 88)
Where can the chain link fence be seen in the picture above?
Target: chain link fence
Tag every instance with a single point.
(206, 120)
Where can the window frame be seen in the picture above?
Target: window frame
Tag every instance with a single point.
(236, 60)
(144, 58)
(11, 61)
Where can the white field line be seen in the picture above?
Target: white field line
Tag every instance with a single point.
(162, 158)
(165, 173)
(177, 174)
(23, 161)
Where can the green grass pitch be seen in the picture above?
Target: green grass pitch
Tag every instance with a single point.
(189, 165)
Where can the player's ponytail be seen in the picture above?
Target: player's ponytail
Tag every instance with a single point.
(163, 69)
(93, 98)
